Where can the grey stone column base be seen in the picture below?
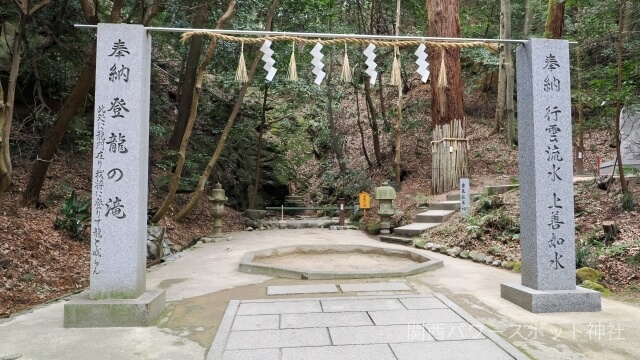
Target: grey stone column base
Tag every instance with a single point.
(82, 312)
(536, 301)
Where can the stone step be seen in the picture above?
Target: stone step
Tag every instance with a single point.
(397, 239)
(434, 216)
(445, 205)
(500, 189)
(474, 196)
(414, 229)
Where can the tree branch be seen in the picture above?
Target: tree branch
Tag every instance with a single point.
(21, 6)
(39, 6)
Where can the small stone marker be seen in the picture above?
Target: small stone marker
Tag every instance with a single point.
(117, 294)
(465, 197)
(629, 141)
(547, 226)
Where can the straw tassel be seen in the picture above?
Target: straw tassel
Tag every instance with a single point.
(293, 69)
(442, 77)
(241, 73)
(395, 69)
(346, 69)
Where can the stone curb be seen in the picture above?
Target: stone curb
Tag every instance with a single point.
(247, 264)
(224, 329)
(497, 339)
(472, 255)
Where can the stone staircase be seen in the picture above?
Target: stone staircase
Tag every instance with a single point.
(438, 213)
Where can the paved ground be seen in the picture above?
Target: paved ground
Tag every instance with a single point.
(401, 327)
(203, 282)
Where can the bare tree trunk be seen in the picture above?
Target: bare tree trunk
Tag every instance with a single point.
(195, 197)
(555, 19)
(373, 120)
(500, 97)
(509, 104)
(509, 78)
(263, 121)
(628, 20)
(580, 102)
(188, 80)
(619, 104)
(364, 147)
(69, 108)
(398, 126)
(6, 106)
(175, 180)
(449, 145)
(527, 20)
(337, 149)
(383, 109)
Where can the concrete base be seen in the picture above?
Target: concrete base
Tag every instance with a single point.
(82, 312)
(215, 238)
(536, 301)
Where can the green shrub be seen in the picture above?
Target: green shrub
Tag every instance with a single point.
(487, 203)
(634, 261)
(75, 213)
(597, 287)
(517, 266)
(627, 201)
(587, 273)
(582, 254)
(495, 250)
(373, 229)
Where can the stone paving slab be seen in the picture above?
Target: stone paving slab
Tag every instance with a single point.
(450, 350)
(351, 352)
(270, 339)
(256, 322)
(343, 305)
(353, 335)
(280, 307)
(430, 316)
(302, 289)
(422, 303)
(260, 354)
(454, 331)
(388, 327)
(382, 286)
(289, 321)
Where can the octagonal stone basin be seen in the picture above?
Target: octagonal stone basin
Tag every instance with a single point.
(316, 262)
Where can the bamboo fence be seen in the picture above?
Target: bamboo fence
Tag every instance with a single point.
(449, 149)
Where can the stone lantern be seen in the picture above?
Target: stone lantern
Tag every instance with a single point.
(218, 199)
(385, 194)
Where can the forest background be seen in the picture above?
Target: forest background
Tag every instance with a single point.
(339, 138)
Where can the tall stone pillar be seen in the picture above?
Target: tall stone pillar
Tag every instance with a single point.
(547, 226)
(117, 292)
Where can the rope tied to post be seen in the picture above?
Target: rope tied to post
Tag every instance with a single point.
(378, 43)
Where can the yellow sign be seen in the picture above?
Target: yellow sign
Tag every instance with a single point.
(365, 200)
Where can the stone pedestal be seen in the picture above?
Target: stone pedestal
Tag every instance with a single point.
(547, 225)
(82, 312)
(117, 295)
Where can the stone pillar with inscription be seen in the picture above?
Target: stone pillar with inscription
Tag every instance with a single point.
(117, 292)
(465, 197)
(547, 226)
